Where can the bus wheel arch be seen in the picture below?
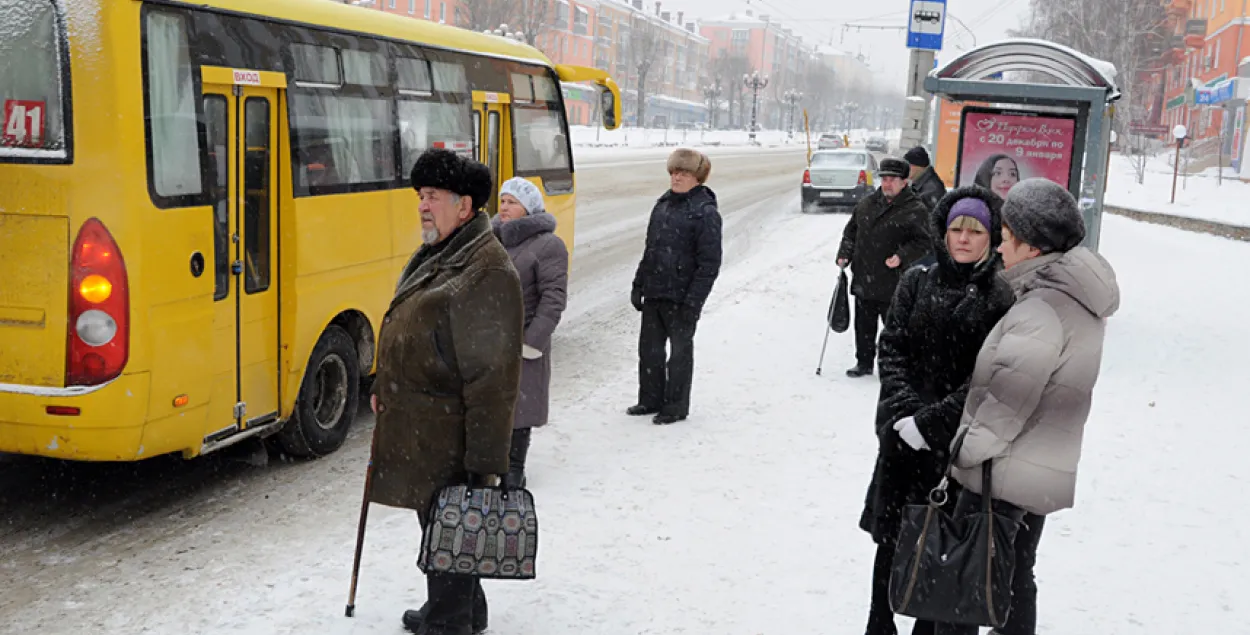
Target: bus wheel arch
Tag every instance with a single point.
(361, 331)
(328, 399)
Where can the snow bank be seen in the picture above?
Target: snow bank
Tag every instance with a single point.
(1198, 196)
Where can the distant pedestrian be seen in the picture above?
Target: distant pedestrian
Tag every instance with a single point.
(885, 235)
(449, 363)
(541, 259)
(925, 181)
(1033, 386)
(680, 263)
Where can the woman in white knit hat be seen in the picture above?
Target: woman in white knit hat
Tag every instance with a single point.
(541, 259)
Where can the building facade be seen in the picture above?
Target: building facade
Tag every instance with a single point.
(769, 48)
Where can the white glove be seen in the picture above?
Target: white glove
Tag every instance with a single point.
(529, 352)
(910, 434)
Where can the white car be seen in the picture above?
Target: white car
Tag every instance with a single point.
(838, 178)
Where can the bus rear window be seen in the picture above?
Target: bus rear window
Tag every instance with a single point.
(30, 81)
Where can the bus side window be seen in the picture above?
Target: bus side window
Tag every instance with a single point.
(216, 126)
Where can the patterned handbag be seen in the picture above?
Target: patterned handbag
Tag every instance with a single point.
(487, 532)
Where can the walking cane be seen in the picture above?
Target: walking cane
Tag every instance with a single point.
(828, 327)
(360, 530)
(821, 365)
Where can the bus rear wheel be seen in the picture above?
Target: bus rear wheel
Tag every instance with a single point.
(328, 398)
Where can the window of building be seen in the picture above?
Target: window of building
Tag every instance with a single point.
(427, 9)
(412, 7)
(442, 13)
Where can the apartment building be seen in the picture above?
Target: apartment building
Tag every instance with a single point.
(1207, 42)
(444, 11)
(769, 48)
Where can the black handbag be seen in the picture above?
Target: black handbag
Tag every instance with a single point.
(840, 306)
(486, 532)
(954, 570)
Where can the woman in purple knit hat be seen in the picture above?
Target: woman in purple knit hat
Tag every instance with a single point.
(940, 315)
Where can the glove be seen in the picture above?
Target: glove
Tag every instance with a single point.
(910, 434)
(529, 352)
(635, 298)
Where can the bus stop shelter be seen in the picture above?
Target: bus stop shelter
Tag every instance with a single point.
(1084, 87)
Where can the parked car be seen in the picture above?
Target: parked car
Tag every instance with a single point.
(830, 141)
(877, 144)
(841, 178)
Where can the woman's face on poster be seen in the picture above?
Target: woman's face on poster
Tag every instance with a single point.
(1004, 177)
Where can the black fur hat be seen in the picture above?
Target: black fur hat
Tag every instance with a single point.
(449, 171)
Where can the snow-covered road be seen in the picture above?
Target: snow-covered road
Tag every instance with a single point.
(740, 521)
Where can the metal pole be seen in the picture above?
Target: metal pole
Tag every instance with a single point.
(1176, 166)
(1219, 176)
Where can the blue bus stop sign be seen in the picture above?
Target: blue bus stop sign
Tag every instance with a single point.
(927, 25)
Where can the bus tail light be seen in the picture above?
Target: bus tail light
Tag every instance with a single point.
(807, 177)
(98, 338)
(863, 178)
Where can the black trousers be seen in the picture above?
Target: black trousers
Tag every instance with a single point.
(880, 615)
(867, 314)
(1022, 619)
(516, 456)
(454, 600)
(663, 384)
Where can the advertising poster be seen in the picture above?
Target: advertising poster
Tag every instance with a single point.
(998, 149)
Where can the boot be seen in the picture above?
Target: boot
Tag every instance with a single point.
(663, 420)
(640, 411)
(859, 370)
(414, 619)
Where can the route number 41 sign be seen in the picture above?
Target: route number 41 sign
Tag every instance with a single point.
(24, 123)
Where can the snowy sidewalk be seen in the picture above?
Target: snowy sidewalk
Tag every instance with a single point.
(1198, 196)
(742, 520)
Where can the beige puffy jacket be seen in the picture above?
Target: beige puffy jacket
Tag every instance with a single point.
(1031, 391)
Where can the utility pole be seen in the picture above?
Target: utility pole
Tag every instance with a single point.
(925, 31)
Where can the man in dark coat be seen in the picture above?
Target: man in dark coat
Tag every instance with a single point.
(885, 235)
(449, 367)
(924, 179)
(679, 265)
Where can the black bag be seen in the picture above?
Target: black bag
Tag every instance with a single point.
(840, 305)
(954, 570)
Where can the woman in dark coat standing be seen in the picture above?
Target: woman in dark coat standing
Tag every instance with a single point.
(939, 317)
(541, 259)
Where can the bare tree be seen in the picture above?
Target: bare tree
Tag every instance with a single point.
(530, 17)
(646, 48)
(1127, 33)
(729, 68)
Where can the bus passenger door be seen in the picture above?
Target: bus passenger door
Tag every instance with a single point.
(489, 109)
(242, 139)
(256, 285)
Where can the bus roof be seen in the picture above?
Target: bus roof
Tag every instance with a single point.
(337, 16)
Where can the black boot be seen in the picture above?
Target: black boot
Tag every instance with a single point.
(515, 478)
(640, 411)
(663, 420)
(860, 370)
(414, 619)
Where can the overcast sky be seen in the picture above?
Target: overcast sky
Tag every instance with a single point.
(823, 20)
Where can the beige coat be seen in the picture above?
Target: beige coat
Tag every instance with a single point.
(1034, 381)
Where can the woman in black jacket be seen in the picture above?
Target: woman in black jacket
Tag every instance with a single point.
(939, 318)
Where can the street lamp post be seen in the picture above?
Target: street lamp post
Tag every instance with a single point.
(791, 97)
(755, 82)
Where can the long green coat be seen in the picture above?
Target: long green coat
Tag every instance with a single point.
(449, 369)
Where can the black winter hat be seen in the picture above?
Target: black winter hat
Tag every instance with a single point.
(894, 167)
(918, 157)
(446, 170)
(1043, 214)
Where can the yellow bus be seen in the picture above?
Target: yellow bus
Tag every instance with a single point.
(204, 208)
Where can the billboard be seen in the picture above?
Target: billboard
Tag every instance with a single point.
(999, 148)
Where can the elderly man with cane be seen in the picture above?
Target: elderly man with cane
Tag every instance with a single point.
(448, 372)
